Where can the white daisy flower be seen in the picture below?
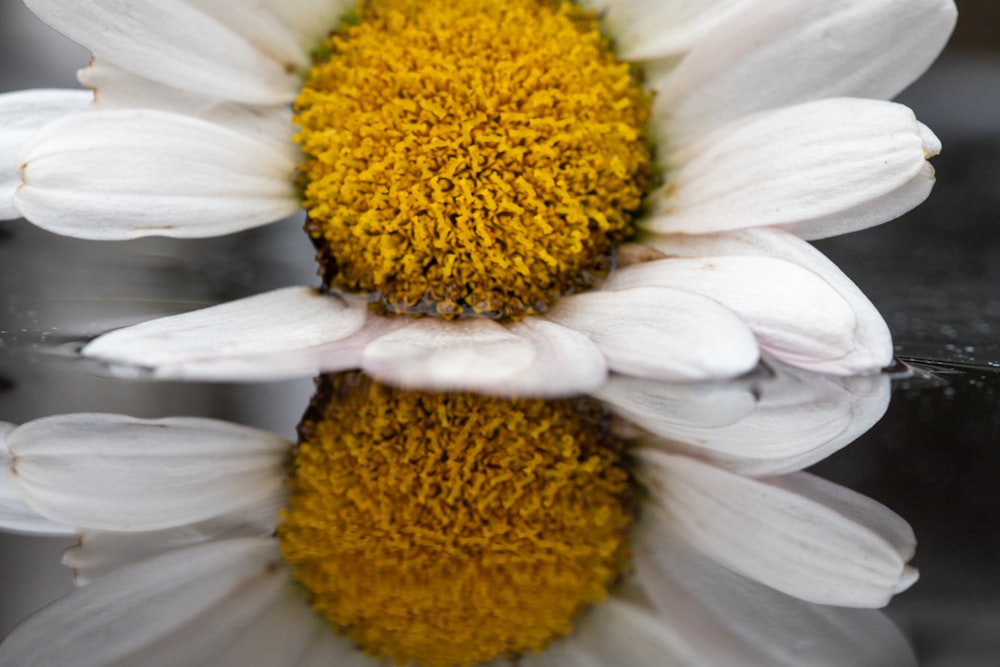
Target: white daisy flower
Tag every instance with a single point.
(446, 529)
(489, 159)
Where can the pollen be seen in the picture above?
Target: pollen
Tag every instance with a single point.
(451, 529)
(470, 158)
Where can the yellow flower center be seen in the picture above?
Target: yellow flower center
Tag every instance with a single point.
(466, 157)
(451, 529)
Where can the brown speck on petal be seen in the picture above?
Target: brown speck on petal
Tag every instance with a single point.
(637, 253)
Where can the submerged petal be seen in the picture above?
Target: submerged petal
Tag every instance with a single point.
(568, 362)
(661, 333)
(472, 354)
(279, 334)
(797, 533)
(530, 358)
(111, 472)
(127, 173)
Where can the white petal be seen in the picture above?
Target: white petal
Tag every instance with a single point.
(258, 26)
(128, 173)
(15, 516)
(872, 341)
(775, 53)
(280, 637)
(102, 552)
(330, 650)
(533, 357)
(646, 29)
(110, 472)
(799, 419)
(236, 55)
(175, 609)
(798, 534)
(795, 315)
(116, 88)
(431, 354)
(733, 621)
(661, 333)
(561, 653)
(21, 115)
(567, 362)
(849, 163)
(278, 334)
(891, 205)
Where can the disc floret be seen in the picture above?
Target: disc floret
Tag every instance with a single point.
(468, 157)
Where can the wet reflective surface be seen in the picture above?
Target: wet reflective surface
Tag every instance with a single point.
(934, 275)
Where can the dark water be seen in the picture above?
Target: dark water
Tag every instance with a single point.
(935, 456)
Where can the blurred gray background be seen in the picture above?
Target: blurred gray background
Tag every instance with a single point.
(934, 274)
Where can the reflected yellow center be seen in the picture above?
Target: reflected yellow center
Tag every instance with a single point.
(470, 158)
(451, 529)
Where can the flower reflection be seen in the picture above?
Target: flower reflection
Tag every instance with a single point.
(760, 426)
(183, 549)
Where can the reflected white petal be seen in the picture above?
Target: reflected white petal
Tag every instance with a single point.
(102, 552)
(282, 635)
(734, 621)
(797, 533)
(661, 407)
(562, 653)
(112, 472)
(620, 633)
(799, 419)
(175, 609)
